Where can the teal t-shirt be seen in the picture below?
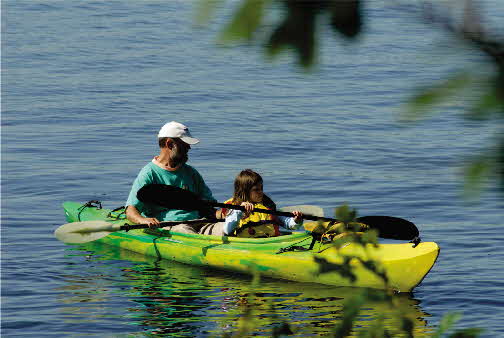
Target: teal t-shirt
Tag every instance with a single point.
(186, 177)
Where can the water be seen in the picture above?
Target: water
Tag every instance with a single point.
(87, 85)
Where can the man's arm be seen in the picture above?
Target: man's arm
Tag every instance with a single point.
(133, 215)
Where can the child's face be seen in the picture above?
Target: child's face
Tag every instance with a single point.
(256, 193)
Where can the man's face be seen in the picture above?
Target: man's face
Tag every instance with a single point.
(179, 153)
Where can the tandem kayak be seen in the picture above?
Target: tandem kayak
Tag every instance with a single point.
(285, 257)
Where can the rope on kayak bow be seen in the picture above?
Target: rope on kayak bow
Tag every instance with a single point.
(294, 247)
(91, 204)
(315, 237)
(117, 213)
(416, 241)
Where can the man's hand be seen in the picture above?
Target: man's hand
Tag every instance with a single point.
(134, 216)
(151, 222)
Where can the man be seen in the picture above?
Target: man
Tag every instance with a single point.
(170, 168)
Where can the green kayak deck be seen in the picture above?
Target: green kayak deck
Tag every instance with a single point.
(285, 257)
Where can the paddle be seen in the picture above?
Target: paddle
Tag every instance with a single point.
(175, 198)
(88, 231)
(305, 209)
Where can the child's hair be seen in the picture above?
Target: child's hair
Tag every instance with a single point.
(244, 182)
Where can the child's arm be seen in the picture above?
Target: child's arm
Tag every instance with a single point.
(231, 222)
(233, 217)
(292, 223)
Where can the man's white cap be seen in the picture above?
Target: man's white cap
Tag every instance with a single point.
(175, 129)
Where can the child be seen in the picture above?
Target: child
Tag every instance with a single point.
(248, 192)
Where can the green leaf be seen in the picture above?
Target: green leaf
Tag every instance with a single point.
(338, 243)
(297, 31)
(344, 269)
(376, 329)
(489, 103)
(351, 310)
(418, 106)
(407, 325)
(472, 332)
(476, 172)
(281, 330)
(370, 236)
(245, 22)
(376, 268)
(205, 10)
(345, 214)
(446, 323)
(346, 17)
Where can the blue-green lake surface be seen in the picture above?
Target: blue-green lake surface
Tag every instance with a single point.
(86, 85)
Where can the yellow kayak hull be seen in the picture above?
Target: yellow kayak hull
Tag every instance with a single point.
(404, 264)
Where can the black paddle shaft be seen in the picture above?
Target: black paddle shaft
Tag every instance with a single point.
(176, 198)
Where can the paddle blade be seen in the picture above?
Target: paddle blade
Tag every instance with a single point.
(305, 209)
(391, 227)
(83, 232)
(170, 197)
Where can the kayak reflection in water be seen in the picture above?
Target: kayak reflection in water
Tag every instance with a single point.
(170, 168)
(248, 193)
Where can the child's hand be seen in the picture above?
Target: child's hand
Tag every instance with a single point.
(248, 208)
(298, 216)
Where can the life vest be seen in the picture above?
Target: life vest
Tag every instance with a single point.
(256, 224)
